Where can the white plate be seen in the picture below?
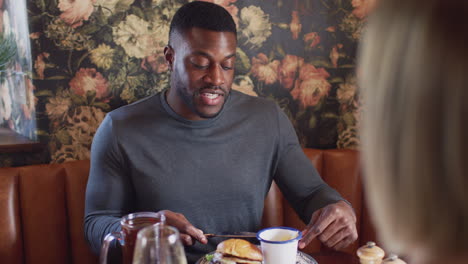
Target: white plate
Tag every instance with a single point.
(302, 258)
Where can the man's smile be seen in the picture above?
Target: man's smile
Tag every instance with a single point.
(211, 97)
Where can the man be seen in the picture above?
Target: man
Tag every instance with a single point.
(204, 154)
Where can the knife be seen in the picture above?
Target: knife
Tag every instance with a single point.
(235, 234)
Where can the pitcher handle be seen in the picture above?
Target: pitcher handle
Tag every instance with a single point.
(106, 244)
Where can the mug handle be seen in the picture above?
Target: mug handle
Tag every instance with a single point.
(106, 244)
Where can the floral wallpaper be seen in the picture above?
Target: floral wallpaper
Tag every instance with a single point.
(92, 56)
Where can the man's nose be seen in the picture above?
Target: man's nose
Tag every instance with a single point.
(215, 76)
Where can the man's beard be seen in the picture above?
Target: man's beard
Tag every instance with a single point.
(190, 99)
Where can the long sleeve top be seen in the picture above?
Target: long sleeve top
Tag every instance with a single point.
(216, 172)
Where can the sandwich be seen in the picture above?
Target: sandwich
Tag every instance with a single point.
(237, 251)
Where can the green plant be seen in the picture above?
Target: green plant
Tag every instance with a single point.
(7, 50)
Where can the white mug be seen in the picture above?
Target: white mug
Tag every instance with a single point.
(279, 244)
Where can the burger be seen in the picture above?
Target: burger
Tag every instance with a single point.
(237, 251)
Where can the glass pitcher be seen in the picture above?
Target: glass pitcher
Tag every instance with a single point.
(130, 224)
(159, 244)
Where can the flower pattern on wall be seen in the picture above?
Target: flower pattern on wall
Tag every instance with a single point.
(102, 56)
(77, 134)
(89, 81)
(92, 56)
(264, 70)
(255, 26)
(110, 7)
(135, 36)
(311, 86)
(75, 12)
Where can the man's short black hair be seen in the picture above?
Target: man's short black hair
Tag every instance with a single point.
(202, 15)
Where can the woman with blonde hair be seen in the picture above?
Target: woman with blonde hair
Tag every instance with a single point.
(414, 77)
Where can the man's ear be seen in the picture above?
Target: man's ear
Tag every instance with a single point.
(169, 56)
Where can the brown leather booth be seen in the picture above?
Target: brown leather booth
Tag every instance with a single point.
(42, 208)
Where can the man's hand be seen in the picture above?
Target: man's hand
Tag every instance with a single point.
(334, 225)
(187, 231)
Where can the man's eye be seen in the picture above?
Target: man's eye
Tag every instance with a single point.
(201, 67)
(226, 68)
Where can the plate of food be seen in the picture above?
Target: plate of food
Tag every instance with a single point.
(233, 251)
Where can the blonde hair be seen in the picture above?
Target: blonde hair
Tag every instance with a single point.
(413, 65)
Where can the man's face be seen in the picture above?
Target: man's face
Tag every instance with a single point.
(202, 63)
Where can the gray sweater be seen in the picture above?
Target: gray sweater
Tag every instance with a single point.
(216, 172)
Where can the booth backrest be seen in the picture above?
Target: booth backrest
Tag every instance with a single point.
(42, 208)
